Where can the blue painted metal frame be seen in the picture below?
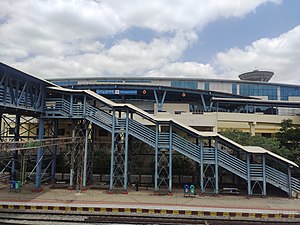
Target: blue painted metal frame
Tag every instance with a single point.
(15, 153)
(203, 103)
(111, 180)
(54, 151)
(126, 151)
(39, 156)
(201, 166)
(85, 155)
(216, 167)
(248, 174)
(72, 156)
(156, 158)
(159, 104)
(20, 91)
(170, 156)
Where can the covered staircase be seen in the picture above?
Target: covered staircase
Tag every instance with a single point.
(221, 151)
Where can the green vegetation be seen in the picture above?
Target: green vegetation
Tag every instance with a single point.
(284, 143)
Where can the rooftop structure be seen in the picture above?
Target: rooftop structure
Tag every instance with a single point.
(256, 75)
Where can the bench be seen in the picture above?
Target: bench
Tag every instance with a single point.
(231, 190)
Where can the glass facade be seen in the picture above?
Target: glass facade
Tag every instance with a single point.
(206, 86)
(65, 83)
(285, 92)
(234, 89)
(137, 81)
(110, 81)
(259, 90)
(185, 84)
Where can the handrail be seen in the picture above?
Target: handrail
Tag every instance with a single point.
(233, 164)
(183, 145)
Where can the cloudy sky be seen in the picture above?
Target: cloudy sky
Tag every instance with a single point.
(170, 38)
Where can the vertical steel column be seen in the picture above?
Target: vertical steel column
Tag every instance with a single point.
(216, 166)
(54, 151)
(38, 174)
(248, 174)
(201, 166)
(264, 175)
(72, 156)
(92, 152)
(170, 158)
(71, 104)
(159, 104)
(203, 103)
(85, 154)
(84, 105)
(126, 152)
(156, 158)
(111, 178)
(15, 153)
(290, 181)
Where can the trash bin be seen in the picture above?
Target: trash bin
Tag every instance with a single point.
(186, 189)
(192, 190)
(12, 184)
(17, 185)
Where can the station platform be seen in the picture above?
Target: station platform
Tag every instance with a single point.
(145, 201)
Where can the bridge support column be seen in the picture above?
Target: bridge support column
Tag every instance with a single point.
(85, 155)
(38, 174)
(72, 156)
(170, 158)
(111, 178)
(159, 104)
(264, 175)
(201, 166)
(54, 151)
(216, 167)
(15, 153)
(126, 154)
(156, 159)
(248, 174)
(290, 182)
(92, 152)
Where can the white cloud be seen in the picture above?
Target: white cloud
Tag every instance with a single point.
(185, 69)
(56, 38)
(163, 15)
(280, 55)
(125, 57)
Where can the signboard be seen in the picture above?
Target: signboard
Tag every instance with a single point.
(116, 92)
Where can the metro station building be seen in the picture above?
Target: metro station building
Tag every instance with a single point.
(251, 104)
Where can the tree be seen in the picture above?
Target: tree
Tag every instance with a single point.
(289, 138)
(244, 138)
(285, 143)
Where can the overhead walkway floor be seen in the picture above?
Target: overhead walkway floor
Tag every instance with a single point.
(144, 202)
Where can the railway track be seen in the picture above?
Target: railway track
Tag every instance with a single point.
(49, 218)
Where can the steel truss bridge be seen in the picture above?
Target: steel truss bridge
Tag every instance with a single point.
(26, 98)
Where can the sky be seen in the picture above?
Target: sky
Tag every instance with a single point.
(217, 39)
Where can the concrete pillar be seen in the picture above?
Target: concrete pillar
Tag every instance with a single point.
(252, 128)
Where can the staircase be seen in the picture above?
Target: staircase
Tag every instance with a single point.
(61, 108)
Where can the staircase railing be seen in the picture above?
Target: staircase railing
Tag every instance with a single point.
(142, 132)
(277, 178)
(186, 147)
(232, 164)
(99, 117)
(295, 185)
